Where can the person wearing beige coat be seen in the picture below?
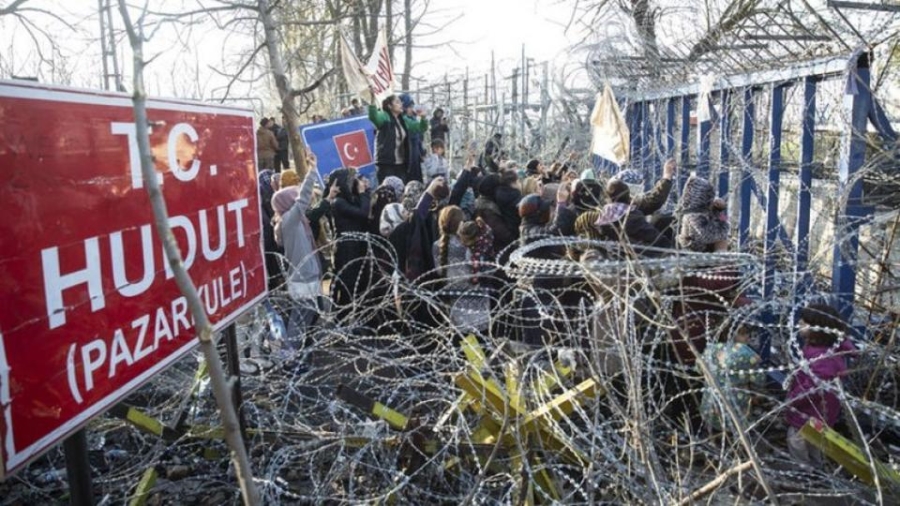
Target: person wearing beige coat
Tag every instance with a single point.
(266, 145)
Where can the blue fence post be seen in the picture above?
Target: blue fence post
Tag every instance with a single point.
(804, 201)
(772, 222)
(857, 102)
(685, 157)
(746, 161)
(724, 143)
(703, 133)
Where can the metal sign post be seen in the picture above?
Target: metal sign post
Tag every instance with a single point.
(78, 469)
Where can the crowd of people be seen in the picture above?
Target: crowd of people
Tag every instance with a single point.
(452, 233)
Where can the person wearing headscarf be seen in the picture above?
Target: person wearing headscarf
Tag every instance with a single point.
(391, 217)
(487, 209)
(350, 213)
(293, 231)
(396, 184)
(620, 220)
(624, 217)
(704, 225)
(393, 141)
(272, 249)
(382, 197)
(588, 195)
(412, 194)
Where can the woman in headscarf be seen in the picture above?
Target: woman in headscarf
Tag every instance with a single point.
(704, 225)
(388, 192)
(272, 250)
(393, 143)
(293, 231)
(487, 209)
(350, 213)
(391, 217)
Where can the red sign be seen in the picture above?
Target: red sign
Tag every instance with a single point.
(353, 148)
(89, 309)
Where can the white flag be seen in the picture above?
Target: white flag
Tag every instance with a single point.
(379, 71)
(610, 140)
(353, 72)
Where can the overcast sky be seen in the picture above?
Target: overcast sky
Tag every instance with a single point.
(483, 25)
(504, 25)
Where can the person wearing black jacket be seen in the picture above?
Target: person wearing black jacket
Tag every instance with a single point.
(490, 158)
(272, 250)
(281, 155)
(507, 197)
(394, 139)
(350, 213)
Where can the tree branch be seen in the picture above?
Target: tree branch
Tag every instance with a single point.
(11, 8)
(318, 82)
(185, 284)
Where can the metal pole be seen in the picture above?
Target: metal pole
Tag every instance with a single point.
(78, 469)
(233, 365)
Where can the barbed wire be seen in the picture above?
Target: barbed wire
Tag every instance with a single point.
(638, 439)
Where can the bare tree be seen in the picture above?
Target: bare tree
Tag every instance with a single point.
(40, 25)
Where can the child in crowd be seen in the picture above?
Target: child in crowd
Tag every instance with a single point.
(730, 364)
(435, 164)
(811, 394)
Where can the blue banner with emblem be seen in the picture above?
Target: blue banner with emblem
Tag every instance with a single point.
(342, 143)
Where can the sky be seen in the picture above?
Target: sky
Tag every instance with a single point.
(483, 25)
(504, 26)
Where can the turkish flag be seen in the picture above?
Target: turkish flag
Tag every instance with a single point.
(353, 148)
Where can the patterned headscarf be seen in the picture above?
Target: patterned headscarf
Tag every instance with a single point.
(396, 184)
(412, 194)
(392, 216)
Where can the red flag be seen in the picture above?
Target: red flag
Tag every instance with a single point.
(353, 149)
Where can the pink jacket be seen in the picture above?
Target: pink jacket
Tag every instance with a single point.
(808, 397)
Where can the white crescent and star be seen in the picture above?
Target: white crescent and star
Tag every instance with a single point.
(347, 154)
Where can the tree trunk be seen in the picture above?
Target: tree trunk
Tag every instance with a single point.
(220, 385)
(407, 26)
(288, 109)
